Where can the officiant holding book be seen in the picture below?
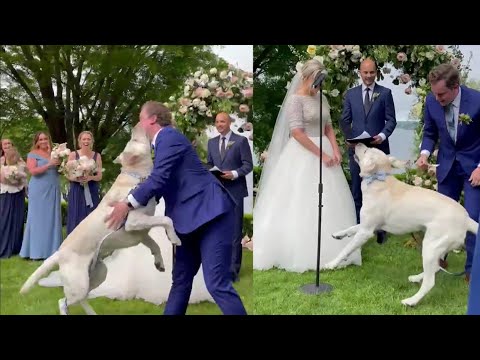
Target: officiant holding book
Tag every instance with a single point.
(368, 111)
(231, 155)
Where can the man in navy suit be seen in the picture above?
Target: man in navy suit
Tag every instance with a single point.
(232, 155)
(459, 150)
(368, 107)
(474, 293)
(201, 209)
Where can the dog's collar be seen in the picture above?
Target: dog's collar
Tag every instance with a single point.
(380, 176)
(135, 175)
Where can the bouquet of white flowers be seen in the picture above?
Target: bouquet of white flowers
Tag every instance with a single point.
(82, 167)
(14, 175)
(60, 151)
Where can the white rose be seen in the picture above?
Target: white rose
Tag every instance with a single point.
(209, 113)
(334, 92)
(183, 110)
(223, 75)
(196, 102)
(422, 82)
(213, 84)
(299, 66)
(319, 59)
(356, 48)
(349, 47)
(213, 71)
(171, 98)
(197, 74)
(204, 78)
(430, 55)
(333, 54)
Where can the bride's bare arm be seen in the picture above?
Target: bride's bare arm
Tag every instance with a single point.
(330, 133)
(299, 135)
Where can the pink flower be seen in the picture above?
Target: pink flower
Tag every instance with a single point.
(244, 108)
(248, 126)
(185, 102)
(248, 92)
(198, 92)
(229, 94)
(456, 62)
(404, 78)
(220, 93)
(401, 56)
(440, 49)
(408, 90)
(234, 79)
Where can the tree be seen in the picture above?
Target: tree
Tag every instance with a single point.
(99, 88)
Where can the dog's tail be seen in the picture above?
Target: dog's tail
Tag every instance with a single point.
(40, 272)
(472, 226)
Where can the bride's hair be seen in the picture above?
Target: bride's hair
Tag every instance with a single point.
(311, 68)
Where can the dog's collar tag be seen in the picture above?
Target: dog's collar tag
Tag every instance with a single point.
(380, 176)
(135, 175)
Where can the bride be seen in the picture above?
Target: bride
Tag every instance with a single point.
(285, 216)
(132, 273)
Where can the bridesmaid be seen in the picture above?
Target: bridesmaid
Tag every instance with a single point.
(12, 203)
(77, 205)
(43, 232)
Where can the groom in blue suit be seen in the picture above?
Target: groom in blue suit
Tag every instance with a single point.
(201, 209)
(368, 107)
(231, 153)
(452, 115)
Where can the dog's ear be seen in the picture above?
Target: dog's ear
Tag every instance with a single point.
(367, 165)
(398, 164)
(118, 159)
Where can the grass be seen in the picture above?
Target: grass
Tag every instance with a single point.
(375, 288)
(40, 300)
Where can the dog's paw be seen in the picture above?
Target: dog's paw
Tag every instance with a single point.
(338, 236)
(415, 278)
(174, 239)
(160, 267)
(62, 305)
(409, 302)
(331, 265)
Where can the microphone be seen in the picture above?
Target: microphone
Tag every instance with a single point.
(319, 80)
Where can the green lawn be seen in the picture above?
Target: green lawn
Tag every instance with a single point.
(377, 287)
(43, 301)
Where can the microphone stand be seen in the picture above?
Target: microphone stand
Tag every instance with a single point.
(318, 288)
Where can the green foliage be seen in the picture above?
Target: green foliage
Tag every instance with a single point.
(375, 288)
(21, 132)
(247, 225)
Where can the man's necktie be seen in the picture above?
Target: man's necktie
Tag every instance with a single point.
(450, 117)
(222, 148)
(367, 103)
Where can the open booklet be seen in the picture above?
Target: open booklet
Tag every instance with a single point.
(364, 138)
(216, 171)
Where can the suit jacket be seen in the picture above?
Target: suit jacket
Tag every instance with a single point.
(380, 119)
(467, 147)
(192, 195)
(238, 157)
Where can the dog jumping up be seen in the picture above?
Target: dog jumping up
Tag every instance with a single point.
(399, 208)
(80, 256)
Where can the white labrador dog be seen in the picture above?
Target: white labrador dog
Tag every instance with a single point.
(80, 256)
(399, 208)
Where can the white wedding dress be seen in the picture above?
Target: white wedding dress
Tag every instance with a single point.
(132, 274)
(285, 216)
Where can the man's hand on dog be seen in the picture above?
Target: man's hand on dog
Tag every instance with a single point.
(117, 216)
(475, 177)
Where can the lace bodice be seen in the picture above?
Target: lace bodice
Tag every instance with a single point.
(303, 112)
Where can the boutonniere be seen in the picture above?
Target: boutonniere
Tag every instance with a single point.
(464, 118)
(230, 144)
(375, 96)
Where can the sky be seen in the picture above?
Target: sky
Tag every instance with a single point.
(238, 55)
(403, 102)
